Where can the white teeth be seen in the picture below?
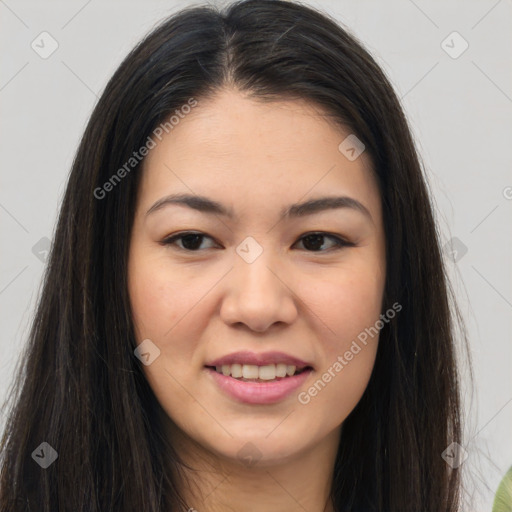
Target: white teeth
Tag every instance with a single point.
(267, 372)
(236, 371)
(290, 370)
(252, 371)
(280, 370)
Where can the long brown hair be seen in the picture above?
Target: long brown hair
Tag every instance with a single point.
(79, 386)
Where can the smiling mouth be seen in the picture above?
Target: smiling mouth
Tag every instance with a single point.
(254, 373)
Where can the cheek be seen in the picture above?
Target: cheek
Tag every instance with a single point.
(163, 302)
(346, 302)
(168, 308)
(348, 306)
(158, 295)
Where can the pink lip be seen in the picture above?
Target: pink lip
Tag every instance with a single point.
(247, 357)
(258, 392)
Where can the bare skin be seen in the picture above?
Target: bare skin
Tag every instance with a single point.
(309, 299)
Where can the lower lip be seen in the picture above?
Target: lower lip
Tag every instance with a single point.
(259, 392)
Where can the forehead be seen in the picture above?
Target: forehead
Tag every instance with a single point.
(232, 124)
(257, 153)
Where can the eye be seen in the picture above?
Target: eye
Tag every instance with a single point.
(191, 241)
(313, 242)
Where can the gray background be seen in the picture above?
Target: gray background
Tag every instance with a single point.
(459, 109)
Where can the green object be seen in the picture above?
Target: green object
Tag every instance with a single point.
(503, 497)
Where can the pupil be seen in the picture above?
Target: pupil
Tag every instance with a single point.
(316, 239)
(194, 244)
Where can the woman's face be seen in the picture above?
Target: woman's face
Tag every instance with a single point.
(256, 281)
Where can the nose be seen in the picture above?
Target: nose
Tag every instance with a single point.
(258, 295)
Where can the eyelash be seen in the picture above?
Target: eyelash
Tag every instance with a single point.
(340, 243)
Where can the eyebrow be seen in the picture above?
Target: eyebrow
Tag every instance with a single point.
(207, 205)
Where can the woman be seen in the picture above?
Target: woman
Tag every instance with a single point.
(304, 358)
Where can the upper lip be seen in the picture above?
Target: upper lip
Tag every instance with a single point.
(262, 359)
